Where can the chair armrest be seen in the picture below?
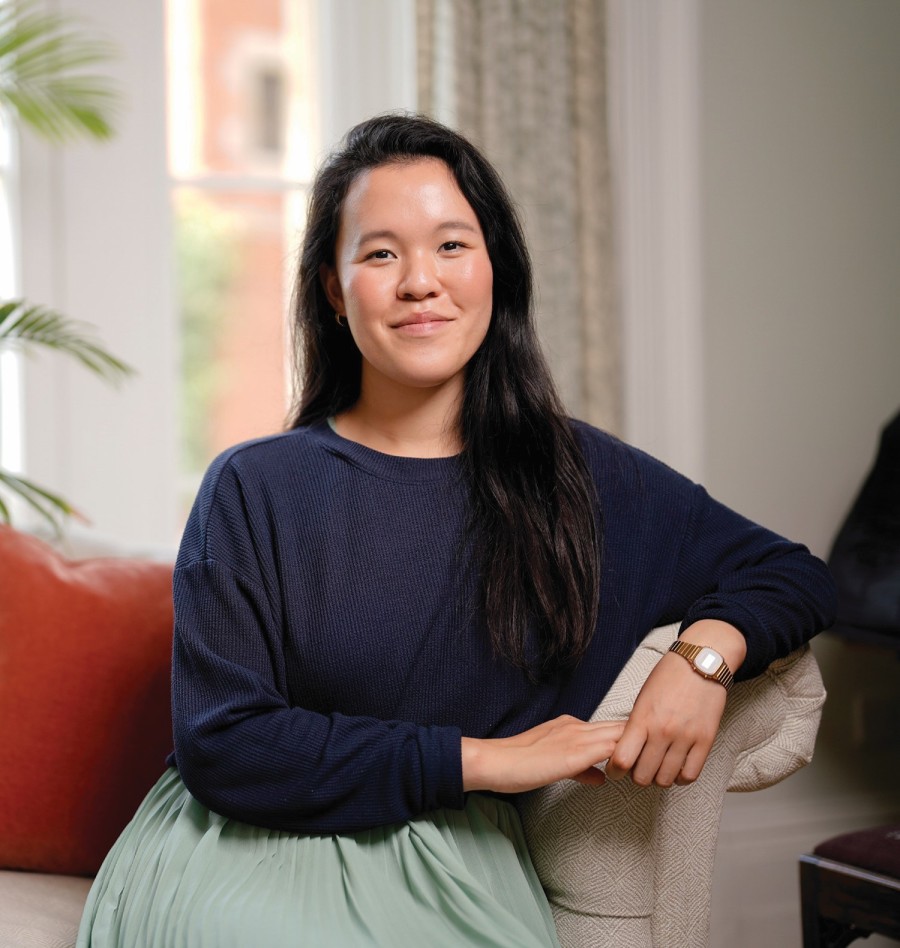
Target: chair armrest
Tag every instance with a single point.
(632, 866)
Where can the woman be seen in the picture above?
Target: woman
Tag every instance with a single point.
(421, 590)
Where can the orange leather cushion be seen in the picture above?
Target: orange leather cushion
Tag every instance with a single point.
(85, 721)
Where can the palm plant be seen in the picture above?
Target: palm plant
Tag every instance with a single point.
(24, 326)
(47, 83)
(45, 77)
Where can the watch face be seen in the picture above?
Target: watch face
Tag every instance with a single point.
(708, 661)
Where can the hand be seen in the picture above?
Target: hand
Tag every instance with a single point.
(676, 716)
(555, 750)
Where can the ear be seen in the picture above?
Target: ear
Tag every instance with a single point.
(332, 286)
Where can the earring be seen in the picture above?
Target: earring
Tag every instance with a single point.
(338, 317)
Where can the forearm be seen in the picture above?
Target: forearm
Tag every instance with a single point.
(559, 749)
(304, 772)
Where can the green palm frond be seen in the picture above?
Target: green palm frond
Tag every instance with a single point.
(23, 324)
(46, 76)
(55, 510)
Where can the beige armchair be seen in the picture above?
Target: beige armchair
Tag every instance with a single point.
(631, 867)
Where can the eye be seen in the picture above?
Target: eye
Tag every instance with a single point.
(452, 245)
(379, 255)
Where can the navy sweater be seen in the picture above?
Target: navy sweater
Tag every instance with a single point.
(327, 654)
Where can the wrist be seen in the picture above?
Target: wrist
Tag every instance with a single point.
(725, 638)
(473, 764)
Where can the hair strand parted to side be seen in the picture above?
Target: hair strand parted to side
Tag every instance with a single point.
(533, 515)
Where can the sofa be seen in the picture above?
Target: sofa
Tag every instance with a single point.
(85, 726)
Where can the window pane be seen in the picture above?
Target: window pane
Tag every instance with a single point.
(239, 88)
(241, 141)
(232, 250)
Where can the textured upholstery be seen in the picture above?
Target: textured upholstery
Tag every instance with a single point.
(40, 911)
(631, 867)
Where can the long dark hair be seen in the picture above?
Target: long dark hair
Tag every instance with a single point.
(532, 511)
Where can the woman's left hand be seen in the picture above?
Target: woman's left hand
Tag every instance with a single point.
(676, 716)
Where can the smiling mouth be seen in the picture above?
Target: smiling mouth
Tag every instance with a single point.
(421, 319)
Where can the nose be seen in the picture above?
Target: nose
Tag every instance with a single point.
(419, 278)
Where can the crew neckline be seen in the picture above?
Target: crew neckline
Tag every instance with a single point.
(390, 466)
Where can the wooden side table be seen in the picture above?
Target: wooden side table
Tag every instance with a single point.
(850, 888)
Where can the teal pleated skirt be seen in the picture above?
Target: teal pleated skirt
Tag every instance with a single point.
(181, 876)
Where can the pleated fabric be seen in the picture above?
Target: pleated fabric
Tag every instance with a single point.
(181, 876)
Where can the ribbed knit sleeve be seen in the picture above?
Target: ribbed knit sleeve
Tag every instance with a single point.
(775, 591)
(685, 556)
(241, 747)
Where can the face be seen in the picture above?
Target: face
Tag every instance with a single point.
(412, 275)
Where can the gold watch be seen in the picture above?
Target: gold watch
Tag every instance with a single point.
(705, 661)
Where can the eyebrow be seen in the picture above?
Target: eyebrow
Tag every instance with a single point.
(444, 225)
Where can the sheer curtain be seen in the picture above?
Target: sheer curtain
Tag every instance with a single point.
(526, 80)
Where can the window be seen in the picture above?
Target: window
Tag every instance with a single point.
(241, 148)
(95, 236)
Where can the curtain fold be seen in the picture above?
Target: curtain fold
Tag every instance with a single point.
(526, 80)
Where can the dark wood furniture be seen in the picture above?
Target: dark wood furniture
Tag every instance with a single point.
(850, 888)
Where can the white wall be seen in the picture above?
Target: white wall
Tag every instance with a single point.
(654, 141)
(96, 241)
(800, 159)
(800, 155)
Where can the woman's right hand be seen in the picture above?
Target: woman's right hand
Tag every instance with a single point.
(555, 750)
